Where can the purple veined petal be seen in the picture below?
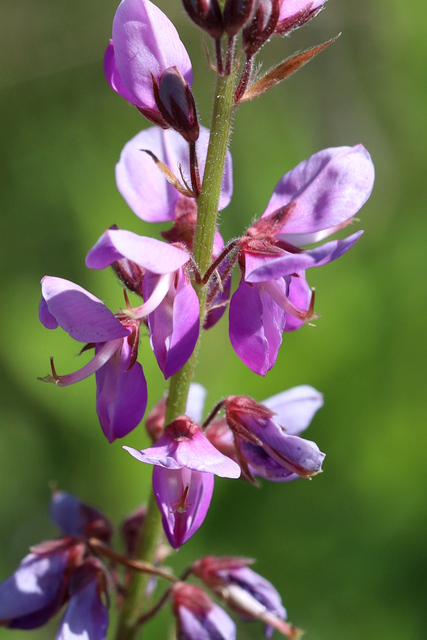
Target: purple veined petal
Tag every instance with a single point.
(113, 76)
(45, 317)
(143, 185)
(83, 316)
(154, 255)
(121, 395)
(215, 624)
(196, 402)
(263, 465)
(32, 588)
(290, 8)
(195, 453)
(260, 588)
(256, 327)
(174, 324)
(145, 44)
(262, 269)
(86, 617)
(329, 188)
(296, 454)
(183, 497)
(299, 295)
(295, 408)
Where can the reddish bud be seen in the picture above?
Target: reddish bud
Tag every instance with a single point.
(176, 103)
(237, 13)
(191, 597)
(261, 27)
(130, 530)
(155, 421)
(207, 15)
(209, 568)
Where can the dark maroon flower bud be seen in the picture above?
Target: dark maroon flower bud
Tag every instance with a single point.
(237, 13)
(262, 26)
(207, 15)
(130, 274)
(176, 103)
(212, 570)
(130, 530)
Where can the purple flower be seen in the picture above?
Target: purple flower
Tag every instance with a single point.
(311, 202)
(242, 586)
(147, 64)
(35, 591)
(86, 615)
(198, 617)
(121, 396)
(143, 185)
(267, 435)
(185, 462)
(171, 305)
(75, 518)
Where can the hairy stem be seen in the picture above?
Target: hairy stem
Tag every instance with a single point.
(207, 207)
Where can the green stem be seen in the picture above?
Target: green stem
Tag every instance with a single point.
(207, 209)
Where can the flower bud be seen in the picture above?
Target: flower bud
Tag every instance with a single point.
(237, 13)
(176, 104)
(198, 616)
(206, 14)
(262, 26)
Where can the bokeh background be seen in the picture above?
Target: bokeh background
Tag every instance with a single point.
(347, 550)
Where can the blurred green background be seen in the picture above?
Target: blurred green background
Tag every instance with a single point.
(347, 550)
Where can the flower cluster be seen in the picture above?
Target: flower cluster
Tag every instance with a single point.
(178, 172)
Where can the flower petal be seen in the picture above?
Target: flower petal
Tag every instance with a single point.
(154, 255)
(295, 408)
(32, 587)
(174, 324)
(328, 188)
(78, 312)
(183, 509)
(145, 44)
(256, 327)
(85, 618)
(121, 395)
(263, 268)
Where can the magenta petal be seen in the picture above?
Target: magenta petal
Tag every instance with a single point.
(154, 255)
(299, 295)
(180, 523)
(263, 268)
(78, 312)
(86, 617)
(256, 327)
(146, 43)
(32, 587)
(328, 188)
(121, 395)
(174, 325)
(113, 76)
(295, 408)
(195, 453)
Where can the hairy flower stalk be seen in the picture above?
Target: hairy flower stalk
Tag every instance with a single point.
(207, 208)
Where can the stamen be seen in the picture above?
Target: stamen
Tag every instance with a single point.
(182, 504)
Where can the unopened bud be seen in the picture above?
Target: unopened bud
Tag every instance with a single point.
(262, 26)
(176, 103)
(237, 13)
(207, 15)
